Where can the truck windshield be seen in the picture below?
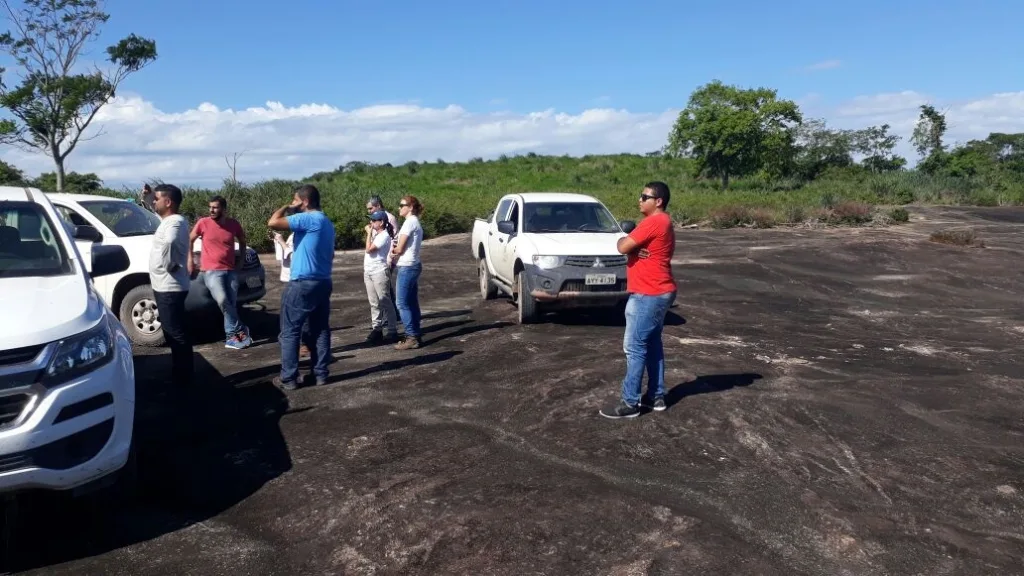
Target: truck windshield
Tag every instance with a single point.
(29, 245)
(568, 217)
(123, 217)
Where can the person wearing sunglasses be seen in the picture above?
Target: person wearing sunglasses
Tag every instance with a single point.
(649, 247)
(407, 285)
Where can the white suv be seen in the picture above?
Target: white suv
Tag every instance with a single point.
(67, 382)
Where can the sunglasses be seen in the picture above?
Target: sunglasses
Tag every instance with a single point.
(402, 205)
(646, 197)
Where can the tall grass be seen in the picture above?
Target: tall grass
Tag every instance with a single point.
(455, 193)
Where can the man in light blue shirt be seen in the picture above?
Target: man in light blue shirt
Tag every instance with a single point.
(306, 300)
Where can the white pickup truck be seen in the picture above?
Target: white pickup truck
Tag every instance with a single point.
(120, 222)
(550, 250)
(67, 381)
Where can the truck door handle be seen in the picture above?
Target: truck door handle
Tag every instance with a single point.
(490, 233)
(502, 240)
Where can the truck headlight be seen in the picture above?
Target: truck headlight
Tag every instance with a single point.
(548, 262)
(80, 354)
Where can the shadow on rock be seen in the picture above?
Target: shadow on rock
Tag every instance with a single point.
(465, 331)
(395, 365)
(708, 384)
(199, 453)
(446, 314)
(207, 327)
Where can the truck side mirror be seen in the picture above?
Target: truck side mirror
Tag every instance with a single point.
(627, 226)
(87, 233)
(507, 227)
(107, 260)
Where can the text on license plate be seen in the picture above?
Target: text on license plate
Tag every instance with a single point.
(253, 282)
(600, 279)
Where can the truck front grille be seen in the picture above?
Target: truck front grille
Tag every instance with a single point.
(20, 355)
(590, 261)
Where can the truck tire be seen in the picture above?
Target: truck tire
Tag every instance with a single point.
(488, 290)
(527, 304)
(140, 318)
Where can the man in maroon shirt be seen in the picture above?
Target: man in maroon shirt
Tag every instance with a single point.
(652, 289)
(218, 262)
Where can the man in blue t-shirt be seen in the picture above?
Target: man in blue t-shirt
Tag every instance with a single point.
(306, 300)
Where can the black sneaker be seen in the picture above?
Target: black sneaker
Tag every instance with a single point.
(292, 385)
(657, 405)
(375, 337)
(621, 410)
(310, 379)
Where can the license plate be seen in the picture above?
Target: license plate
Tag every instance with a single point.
(600, 279)
(253, 282)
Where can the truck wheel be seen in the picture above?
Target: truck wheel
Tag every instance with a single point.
(140, 318)
(527, 304)
(488, 290)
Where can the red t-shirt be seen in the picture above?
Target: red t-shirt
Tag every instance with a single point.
(218, 242)
(652, 276)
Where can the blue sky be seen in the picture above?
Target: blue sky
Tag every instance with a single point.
(305, 86)
(530, 55)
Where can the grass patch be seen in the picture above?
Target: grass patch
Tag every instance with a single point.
(957, 237)
(899, 215)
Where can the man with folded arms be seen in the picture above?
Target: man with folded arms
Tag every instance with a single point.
(652, 290)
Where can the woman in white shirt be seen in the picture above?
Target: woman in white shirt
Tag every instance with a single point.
(283, 250)
(283, 253)
(407, 263)
(377, 277)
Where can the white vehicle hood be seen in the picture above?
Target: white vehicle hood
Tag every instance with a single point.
(575, 243)
(37, 310)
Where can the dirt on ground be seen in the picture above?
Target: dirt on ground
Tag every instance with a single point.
(842, 401)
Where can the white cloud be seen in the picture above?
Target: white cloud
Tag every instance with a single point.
(826, 65)
(965, 120)
(140, 141)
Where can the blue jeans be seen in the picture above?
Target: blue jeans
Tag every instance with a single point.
(223, 287)
(645, 319)
(408, 298)
(305, 315)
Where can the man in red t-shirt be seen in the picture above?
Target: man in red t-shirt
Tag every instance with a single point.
(652, 290)
(218, 263)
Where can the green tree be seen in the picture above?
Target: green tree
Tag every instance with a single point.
(877, 146)
(732, 131)
(11, 175)
(53, 105)
(998, 152)
(927, 139)
(1009, 150)
(73, 182)
(819, 148)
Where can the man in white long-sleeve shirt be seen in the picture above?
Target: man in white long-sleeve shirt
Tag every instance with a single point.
(169, 277)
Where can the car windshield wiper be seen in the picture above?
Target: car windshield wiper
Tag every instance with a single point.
(137, 233)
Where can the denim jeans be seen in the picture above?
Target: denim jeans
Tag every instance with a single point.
(645, 319)
(223, 287)
(305, 316)
(174, 323)
(408, 298)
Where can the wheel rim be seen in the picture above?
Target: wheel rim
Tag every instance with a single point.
(483, 277)
(146, 317)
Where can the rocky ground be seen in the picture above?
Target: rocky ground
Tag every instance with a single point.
(841, 402)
